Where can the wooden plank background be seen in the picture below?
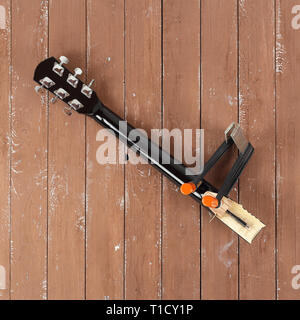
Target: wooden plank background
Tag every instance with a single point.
(73, 229)
(219, 97)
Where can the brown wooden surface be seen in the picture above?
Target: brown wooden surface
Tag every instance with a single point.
(288, 154)
(66, 163)
(257, 118)
(28, 250)
(105, 200)
(181, 225)
(71, 228)
(219, 109)
(142, 183)
(5, 103)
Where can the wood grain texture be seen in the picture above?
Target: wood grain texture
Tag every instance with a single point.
(219, 109)
(28, 154)
(257, 118)
(66, 181)
(105, 183)
(143, 183)
(176, 64)
(5, 56)
(181, 109)
(288, 154)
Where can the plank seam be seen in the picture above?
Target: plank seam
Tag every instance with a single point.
(47, 160)
(124, 165)
(10, 142)
(275, 150)
(161, 123)
(200, 119)
(238, 119)
(85, 157)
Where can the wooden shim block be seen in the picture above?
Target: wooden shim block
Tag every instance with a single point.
(254, 225)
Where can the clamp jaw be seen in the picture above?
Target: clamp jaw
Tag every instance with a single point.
(228, 211)
(233, 135)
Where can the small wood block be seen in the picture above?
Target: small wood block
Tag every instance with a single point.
(247, 233)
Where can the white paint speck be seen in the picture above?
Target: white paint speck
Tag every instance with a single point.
(223, 250)
(232, 100)
(2, 278)
(2, 17)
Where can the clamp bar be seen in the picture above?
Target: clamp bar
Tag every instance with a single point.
(235, 172)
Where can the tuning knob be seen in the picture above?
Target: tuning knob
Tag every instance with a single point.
(77, 72)
(72, 80)
(86, 89)
(68, 111)
(58, 68)
(63, 60)
(91, 83)
(53, 100)
(38, 89)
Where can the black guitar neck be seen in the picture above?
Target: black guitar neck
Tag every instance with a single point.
(150, 151)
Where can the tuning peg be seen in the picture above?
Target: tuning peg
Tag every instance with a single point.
(39, 89)
(86, 89)
(68, 111)
(91, 83)
(63, 60)
(72, 80)
(58, 68)
(53, 100)
(77, 72)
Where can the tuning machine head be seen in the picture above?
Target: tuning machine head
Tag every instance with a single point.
(72, 78)
(63, 60)
(54, 99)
(66, 85)
(68, 111)
(73, 105)
(91, 83)
(58, 67)
(77, 72)
(39, 89)
(45, 82)
(86, 89)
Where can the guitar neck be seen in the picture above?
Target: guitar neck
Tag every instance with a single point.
(150, 151)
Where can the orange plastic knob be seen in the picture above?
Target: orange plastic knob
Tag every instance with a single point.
(188, 188)
(209, 201)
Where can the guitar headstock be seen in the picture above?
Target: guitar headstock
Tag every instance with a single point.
(53, 76)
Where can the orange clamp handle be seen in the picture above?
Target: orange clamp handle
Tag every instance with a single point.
(209, 201)
(188, 188)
